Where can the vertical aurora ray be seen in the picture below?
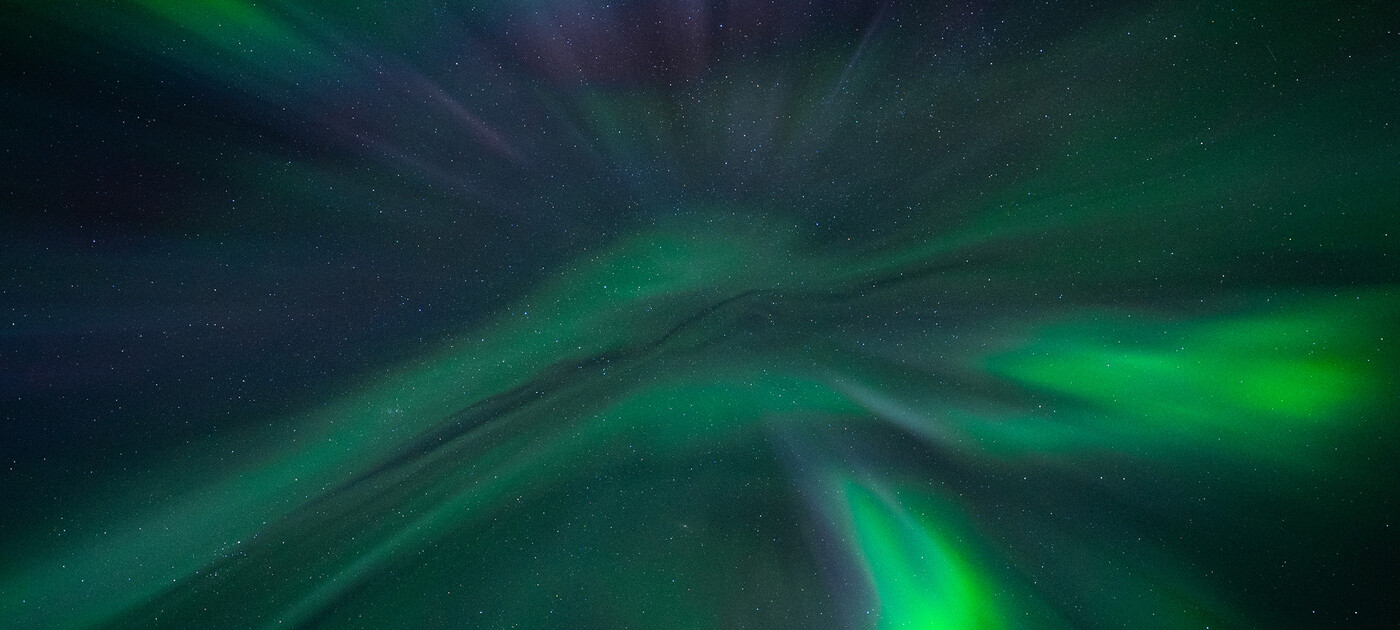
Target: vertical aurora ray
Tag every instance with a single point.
(920, 580)
(698, 315)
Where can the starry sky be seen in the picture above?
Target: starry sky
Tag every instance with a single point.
(699, 314)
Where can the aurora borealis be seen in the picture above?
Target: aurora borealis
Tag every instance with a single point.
(699, 314)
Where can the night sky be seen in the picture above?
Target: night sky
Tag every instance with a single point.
(699, 314)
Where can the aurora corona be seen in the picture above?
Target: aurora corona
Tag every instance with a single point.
(699, 314)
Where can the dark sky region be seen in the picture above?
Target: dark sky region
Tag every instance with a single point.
(699, 314)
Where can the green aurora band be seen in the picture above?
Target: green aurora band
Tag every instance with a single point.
(1094, 328)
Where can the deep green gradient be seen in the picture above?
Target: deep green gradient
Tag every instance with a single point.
(699, 315)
